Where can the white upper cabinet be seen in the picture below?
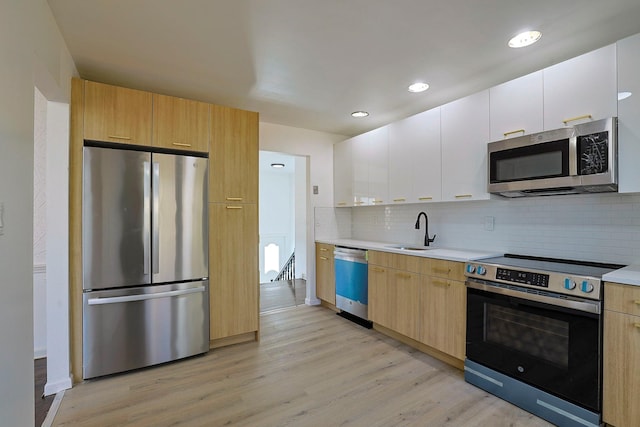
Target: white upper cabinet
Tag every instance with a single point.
(415, 167)
(581, 89)
(629, 115)
(516, 107)
(465, 134)
(342, 174)
(370, 167)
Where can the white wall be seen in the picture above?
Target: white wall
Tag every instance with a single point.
(598, 227)
(317, 147)
(32, 53)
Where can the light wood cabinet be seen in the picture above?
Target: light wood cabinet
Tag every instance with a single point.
(233, 156)
(465, 133)
(415, 169)
(516, 107)
(584, 86)
(628, 67)
(621, 355)
(117, 114)
(443, 315)
(181, 124)
(380, 307)
(233, 269)
(325, 273)
(342, 174)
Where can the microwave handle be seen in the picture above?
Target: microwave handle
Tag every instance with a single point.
(573, 156)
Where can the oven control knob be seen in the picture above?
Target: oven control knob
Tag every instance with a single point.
(586, 287)
(471, 269)
(481, 270)
(569, 284)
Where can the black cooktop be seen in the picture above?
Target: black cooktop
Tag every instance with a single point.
(579, 268)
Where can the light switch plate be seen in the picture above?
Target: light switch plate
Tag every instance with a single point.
(315, 189)
(489, 223)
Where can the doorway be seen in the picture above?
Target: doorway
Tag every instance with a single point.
(282, 225)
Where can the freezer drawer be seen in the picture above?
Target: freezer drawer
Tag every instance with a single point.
(131, 328)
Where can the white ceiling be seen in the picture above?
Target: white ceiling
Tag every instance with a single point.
(310, 63)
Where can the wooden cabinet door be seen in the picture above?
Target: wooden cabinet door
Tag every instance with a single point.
(342, 174)
(415, 173)
(621, 377)
(582, 86)
(516, 107)
(117, 114)
(628, 113)
(443, 315)
(405, 288)
(180, 123)
(233, 269)
(381, 305)
(233, 156)
(465, 134)
(325, 273)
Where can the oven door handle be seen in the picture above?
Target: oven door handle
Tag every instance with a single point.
(586, 306)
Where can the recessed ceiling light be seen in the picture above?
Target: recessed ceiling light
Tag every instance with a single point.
(623, 95)
(359, 114)
(525, 39)
(277, 165)
(418, 87)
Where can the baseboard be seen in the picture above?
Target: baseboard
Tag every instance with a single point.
(312, 301)
(235, 339)
(53, 387)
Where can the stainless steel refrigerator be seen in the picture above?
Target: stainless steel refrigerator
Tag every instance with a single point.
(145, 259)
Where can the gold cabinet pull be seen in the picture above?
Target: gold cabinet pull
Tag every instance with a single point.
(359, 203)
(378, 201)
(506, 134)
(324, 258)
(377, 269)
(463, 196)
(438, 283)
(403, 275)
(402, 199)
(342, 203)
(637, 325)
(234, 199)
(181, 144)
(128, 138)
(573, 119)
(637, 302)
(441, 271)
(425, 198)
(324, 249)
(234, 207)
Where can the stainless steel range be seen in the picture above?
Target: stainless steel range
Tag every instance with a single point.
(534, 335)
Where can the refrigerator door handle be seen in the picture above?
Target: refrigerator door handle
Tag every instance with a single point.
(143, 297)
(146, 225)
(154, 220)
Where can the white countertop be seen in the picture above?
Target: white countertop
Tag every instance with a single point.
(449, 254)
(629, 275)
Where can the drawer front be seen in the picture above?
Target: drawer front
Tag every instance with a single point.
(324, 250)
(398, 261)
(622, 298)
(446, 269)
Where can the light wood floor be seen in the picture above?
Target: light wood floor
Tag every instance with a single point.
(311, 368)
(282, 294)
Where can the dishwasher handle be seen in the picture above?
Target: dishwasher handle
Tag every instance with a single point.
(351, 254)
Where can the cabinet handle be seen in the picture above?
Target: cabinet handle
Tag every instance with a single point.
(359, 203)
(425, 198)
(181, 144)
(323, 249)
(400, 200)
(573, 119)
(378, 201)
(377, 269)
(128, 138)
(403, 275)
(637, 325)
(637, 302)
(342, 203)
(463, 196)
(506, 134)
(234, 207)
(438, 283)
(234, 199)
(441, 271)
(324, 258)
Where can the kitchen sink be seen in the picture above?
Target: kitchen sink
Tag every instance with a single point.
(409, 248)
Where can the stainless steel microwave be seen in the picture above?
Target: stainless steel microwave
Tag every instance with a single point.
(573, 160)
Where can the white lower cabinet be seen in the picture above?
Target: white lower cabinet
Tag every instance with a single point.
(464, 138)
(415, 168)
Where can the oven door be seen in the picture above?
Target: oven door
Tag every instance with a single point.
(550, 347)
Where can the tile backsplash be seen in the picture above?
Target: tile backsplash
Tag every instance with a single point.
(595, 227)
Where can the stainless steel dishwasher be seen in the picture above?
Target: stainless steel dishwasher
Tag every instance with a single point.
(352, 281)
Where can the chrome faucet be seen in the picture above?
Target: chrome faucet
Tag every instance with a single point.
(427, 240)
